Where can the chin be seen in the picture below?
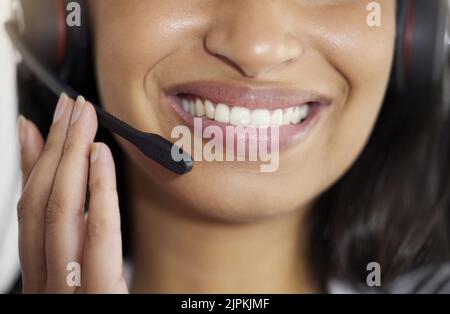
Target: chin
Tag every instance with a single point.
(239, 196)
(251, 206)
(229, 192)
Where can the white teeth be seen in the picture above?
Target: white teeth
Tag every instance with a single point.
(192, 108)
(287, 116)
(199, 108)
(296, 118)
(222, 113)
(261, 118)
(276, 118)
(210, 110)
(185, 104)
(240, 116)
(304, 112)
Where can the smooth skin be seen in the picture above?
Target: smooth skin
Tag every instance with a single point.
(52, 226)
(224, 227)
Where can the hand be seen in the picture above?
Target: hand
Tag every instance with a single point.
(54, 232)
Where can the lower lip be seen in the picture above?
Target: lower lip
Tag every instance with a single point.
(288, 135)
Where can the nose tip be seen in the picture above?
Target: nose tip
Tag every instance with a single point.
(268, 54)
(254, 41)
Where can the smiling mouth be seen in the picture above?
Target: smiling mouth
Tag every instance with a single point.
(242, 116)
(294, 112)
(246, 106)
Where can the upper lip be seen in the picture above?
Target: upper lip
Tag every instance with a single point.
(251, 97)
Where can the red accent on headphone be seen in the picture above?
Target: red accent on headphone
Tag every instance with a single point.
(62, 31)
(409, 37)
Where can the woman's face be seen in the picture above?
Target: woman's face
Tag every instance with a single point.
(262, 56)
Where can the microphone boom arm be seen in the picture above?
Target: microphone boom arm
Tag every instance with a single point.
(152, 145)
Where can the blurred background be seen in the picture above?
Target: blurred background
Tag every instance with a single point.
(9, 158)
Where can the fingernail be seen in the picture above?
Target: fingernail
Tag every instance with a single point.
(22, 131)
(94, 153)
(60, 107)
(79, 104)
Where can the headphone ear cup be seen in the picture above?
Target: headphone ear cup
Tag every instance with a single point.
(420, 57)
(77, 54)
(41, 30)
(62, 48)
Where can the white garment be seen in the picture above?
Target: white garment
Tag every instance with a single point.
(9, 159)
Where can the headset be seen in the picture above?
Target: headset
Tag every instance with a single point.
(58, 56)
(421, 70)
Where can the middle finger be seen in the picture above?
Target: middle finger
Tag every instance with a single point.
(65, 212)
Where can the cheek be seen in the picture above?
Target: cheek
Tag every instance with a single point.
(360, 53)
(368, 84)
(364, 57)
(133, 38)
